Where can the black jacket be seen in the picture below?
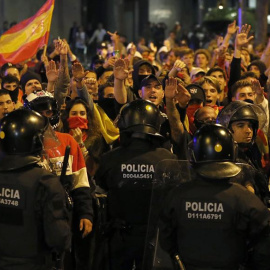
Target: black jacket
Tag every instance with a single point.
(33, 217)
(127, 174)
(209, 223)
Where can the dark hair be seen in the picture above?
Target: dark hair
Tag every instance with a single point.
(214, 69)
(238, 85)
(102, 87)
(4, 92)
(248, 74)
(93, 127)
(110, 77)
(9, 79)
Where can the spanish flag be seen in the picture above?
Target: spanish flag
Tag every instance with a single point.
(22, 41)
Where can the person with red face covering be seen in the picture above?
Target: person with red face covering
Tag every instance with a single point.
(80, 122)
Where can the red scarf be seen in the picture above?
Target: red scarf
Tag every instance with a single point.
(78, 122)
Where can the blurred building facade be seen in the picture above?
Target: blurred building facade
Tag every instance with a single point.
(130, 17)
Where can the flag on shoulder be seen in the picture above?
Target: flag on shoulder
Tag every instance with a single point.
(22, 41)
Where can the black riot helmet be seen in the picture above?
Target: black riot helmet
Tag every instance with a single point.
(213, 152)
(248, 114)
(242, 111)
(140, 116)
(42, 102)
(21, 132)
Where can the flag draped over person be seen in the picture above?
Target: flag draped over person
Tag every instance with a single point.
(22, 41)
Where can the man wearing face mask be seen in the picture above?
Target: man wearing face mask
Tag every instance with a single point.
(11, 83)
(76, 180)
(106, 99)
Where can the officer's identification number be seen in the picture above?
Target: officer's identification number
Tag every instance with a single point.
(11, 196)
(137, 171)
(204, 210)
(204, 216)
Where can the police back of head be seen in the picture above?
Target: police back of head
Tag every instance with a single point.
(141, 119)
(21, 132)
(213, 152)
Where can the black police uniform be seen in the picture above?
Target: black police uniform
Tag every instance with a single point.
(208, 223)
(259, 180)
(127, 174)
(33, 217)
(209, 220)
(248, 152)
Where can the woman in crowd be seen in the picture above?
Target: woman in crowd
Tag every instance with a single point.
(80, 122)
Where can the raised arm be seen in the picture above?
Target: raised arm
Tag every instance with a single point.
(120, 75)
(231, 30)
(52, 75)
(78, 76)
(241, 40)
(61, 86)
(177, 129)
(115, 38)
(266, 55)
(177, 67)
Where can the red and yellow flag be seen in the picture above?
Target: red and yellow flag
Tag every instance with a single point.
(22, 41)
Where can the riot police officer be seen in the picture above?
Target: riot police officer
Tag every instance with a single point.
(209, 221)
(244, 119)
(33, 216)
(127, 173)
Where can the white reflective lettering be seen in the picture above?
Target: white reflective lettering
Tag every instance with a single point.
(210, 207)
(7, 192)
(220, 208)
(188, 205)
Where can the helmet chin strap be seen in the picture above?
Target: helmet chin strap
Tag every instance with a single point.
(245, 145)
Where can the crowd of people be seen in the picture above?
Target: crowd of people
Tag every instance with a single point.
(80, 144)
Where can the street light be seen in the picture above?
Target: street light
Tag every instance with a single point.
(220, 5)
